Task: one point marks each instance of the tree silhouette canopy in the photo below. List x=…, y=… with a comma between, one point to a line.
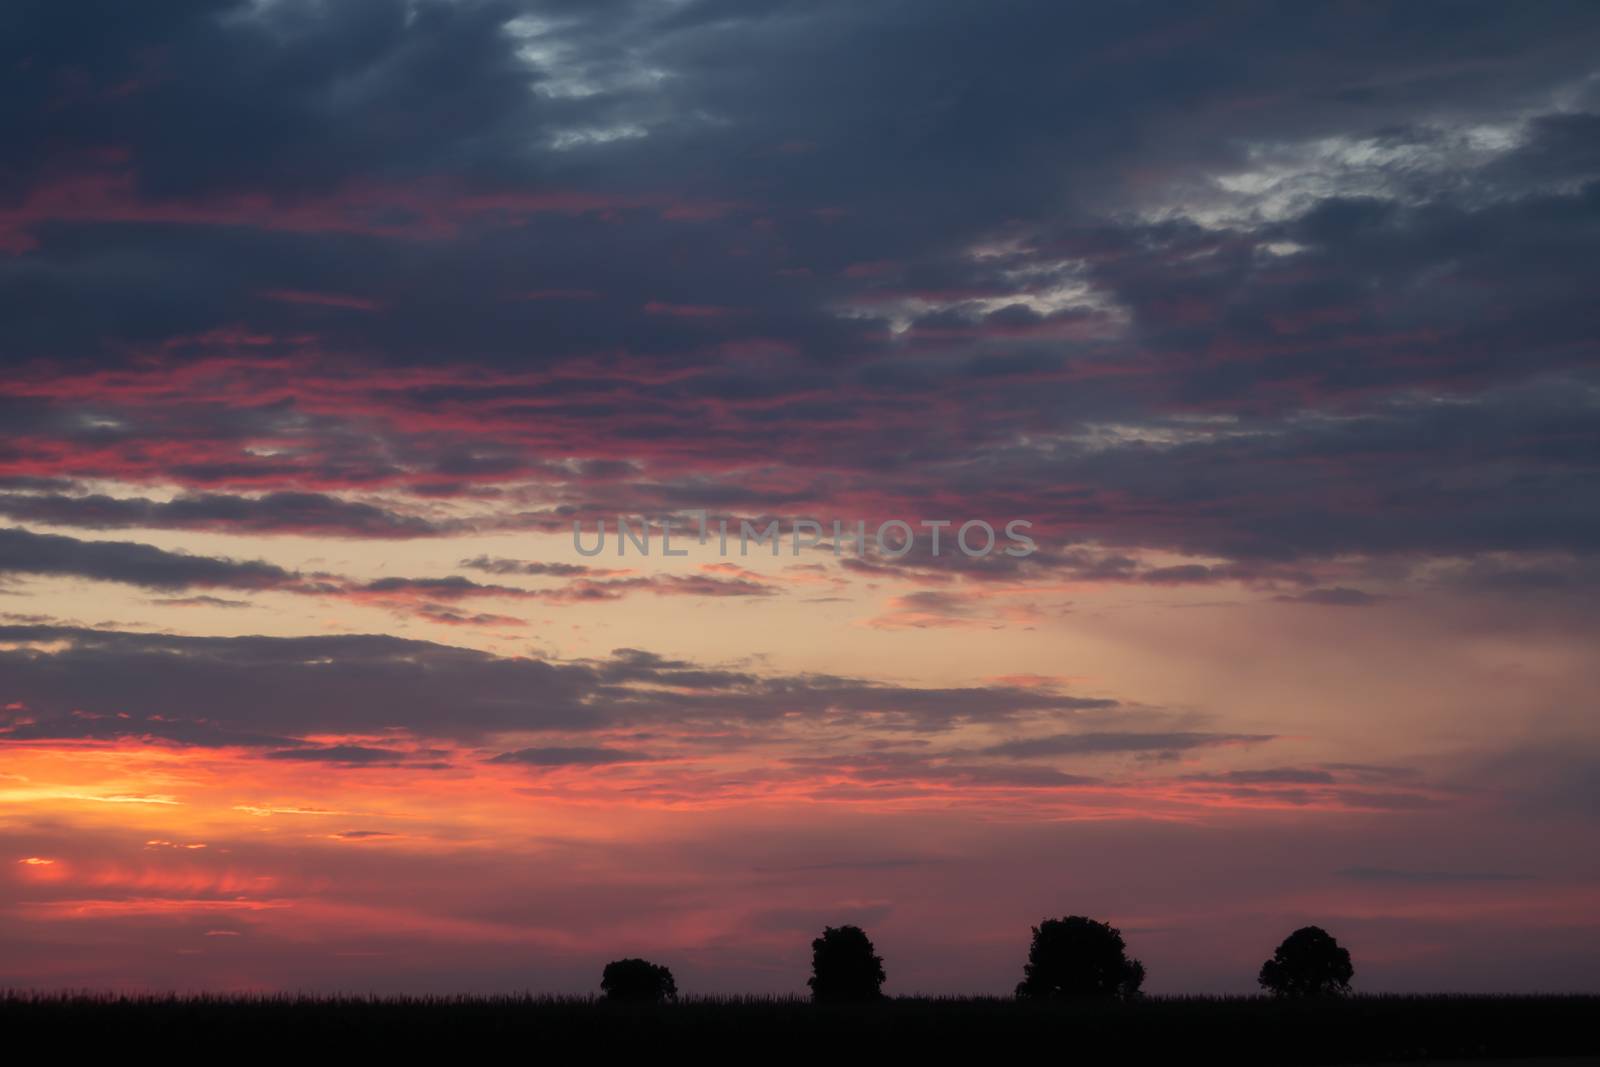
x=1309, y=963
x=844, y=966
x=1078, y=957
x=637, y=981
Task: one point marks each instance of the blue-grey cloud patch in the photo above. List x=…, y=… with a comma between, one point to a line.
x=569, y=756
x=270, y=513
x=94, y=683
x=1270, y=776
x=498, y=565
x=52, y=555
x=351, y=756
x=1103, y=743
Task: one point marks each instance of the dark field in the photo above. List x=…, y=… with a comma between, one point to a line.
x=1239, y=1030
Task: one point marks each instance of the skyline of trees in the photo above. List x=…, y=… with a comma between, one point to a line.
x=1073, y=956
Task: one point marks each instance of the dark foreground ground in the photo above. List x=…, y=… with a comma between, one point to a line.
x=1240, y=1030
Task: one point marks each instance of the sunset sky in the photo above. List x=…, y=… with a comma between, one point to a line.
x=323, y=321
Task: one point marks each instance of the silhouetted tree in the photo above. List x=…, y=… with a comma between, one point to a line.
x=637, y=981
x=1078, y=957
x=1309, y=963
x=844, y=966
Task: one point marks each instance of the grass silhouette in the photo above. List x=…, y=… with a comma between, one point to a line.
x=1242, y=1030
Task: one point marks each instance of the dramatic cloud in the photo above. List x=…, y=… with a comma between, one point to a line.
x=27, y=553
x=559, y=756
x=23, y=552
x=98, y=683
x=282, y=512
x=1280, y=315
x=1109, y=743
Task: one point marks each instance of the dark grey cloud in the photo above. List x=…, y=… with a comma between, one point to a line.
x=1378, y=341
x=201, y=601
x=343, y=755
x=569, y=755
x=868, y=772
x=449, y=588
x=834, y=108
x=153, y=728
x=25, y=552
x=1118, y=742
x=106, y=683
x=704, y=585
x=1270, y=776
x=1546, y=576
x=495, y=565
x=279, y=512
